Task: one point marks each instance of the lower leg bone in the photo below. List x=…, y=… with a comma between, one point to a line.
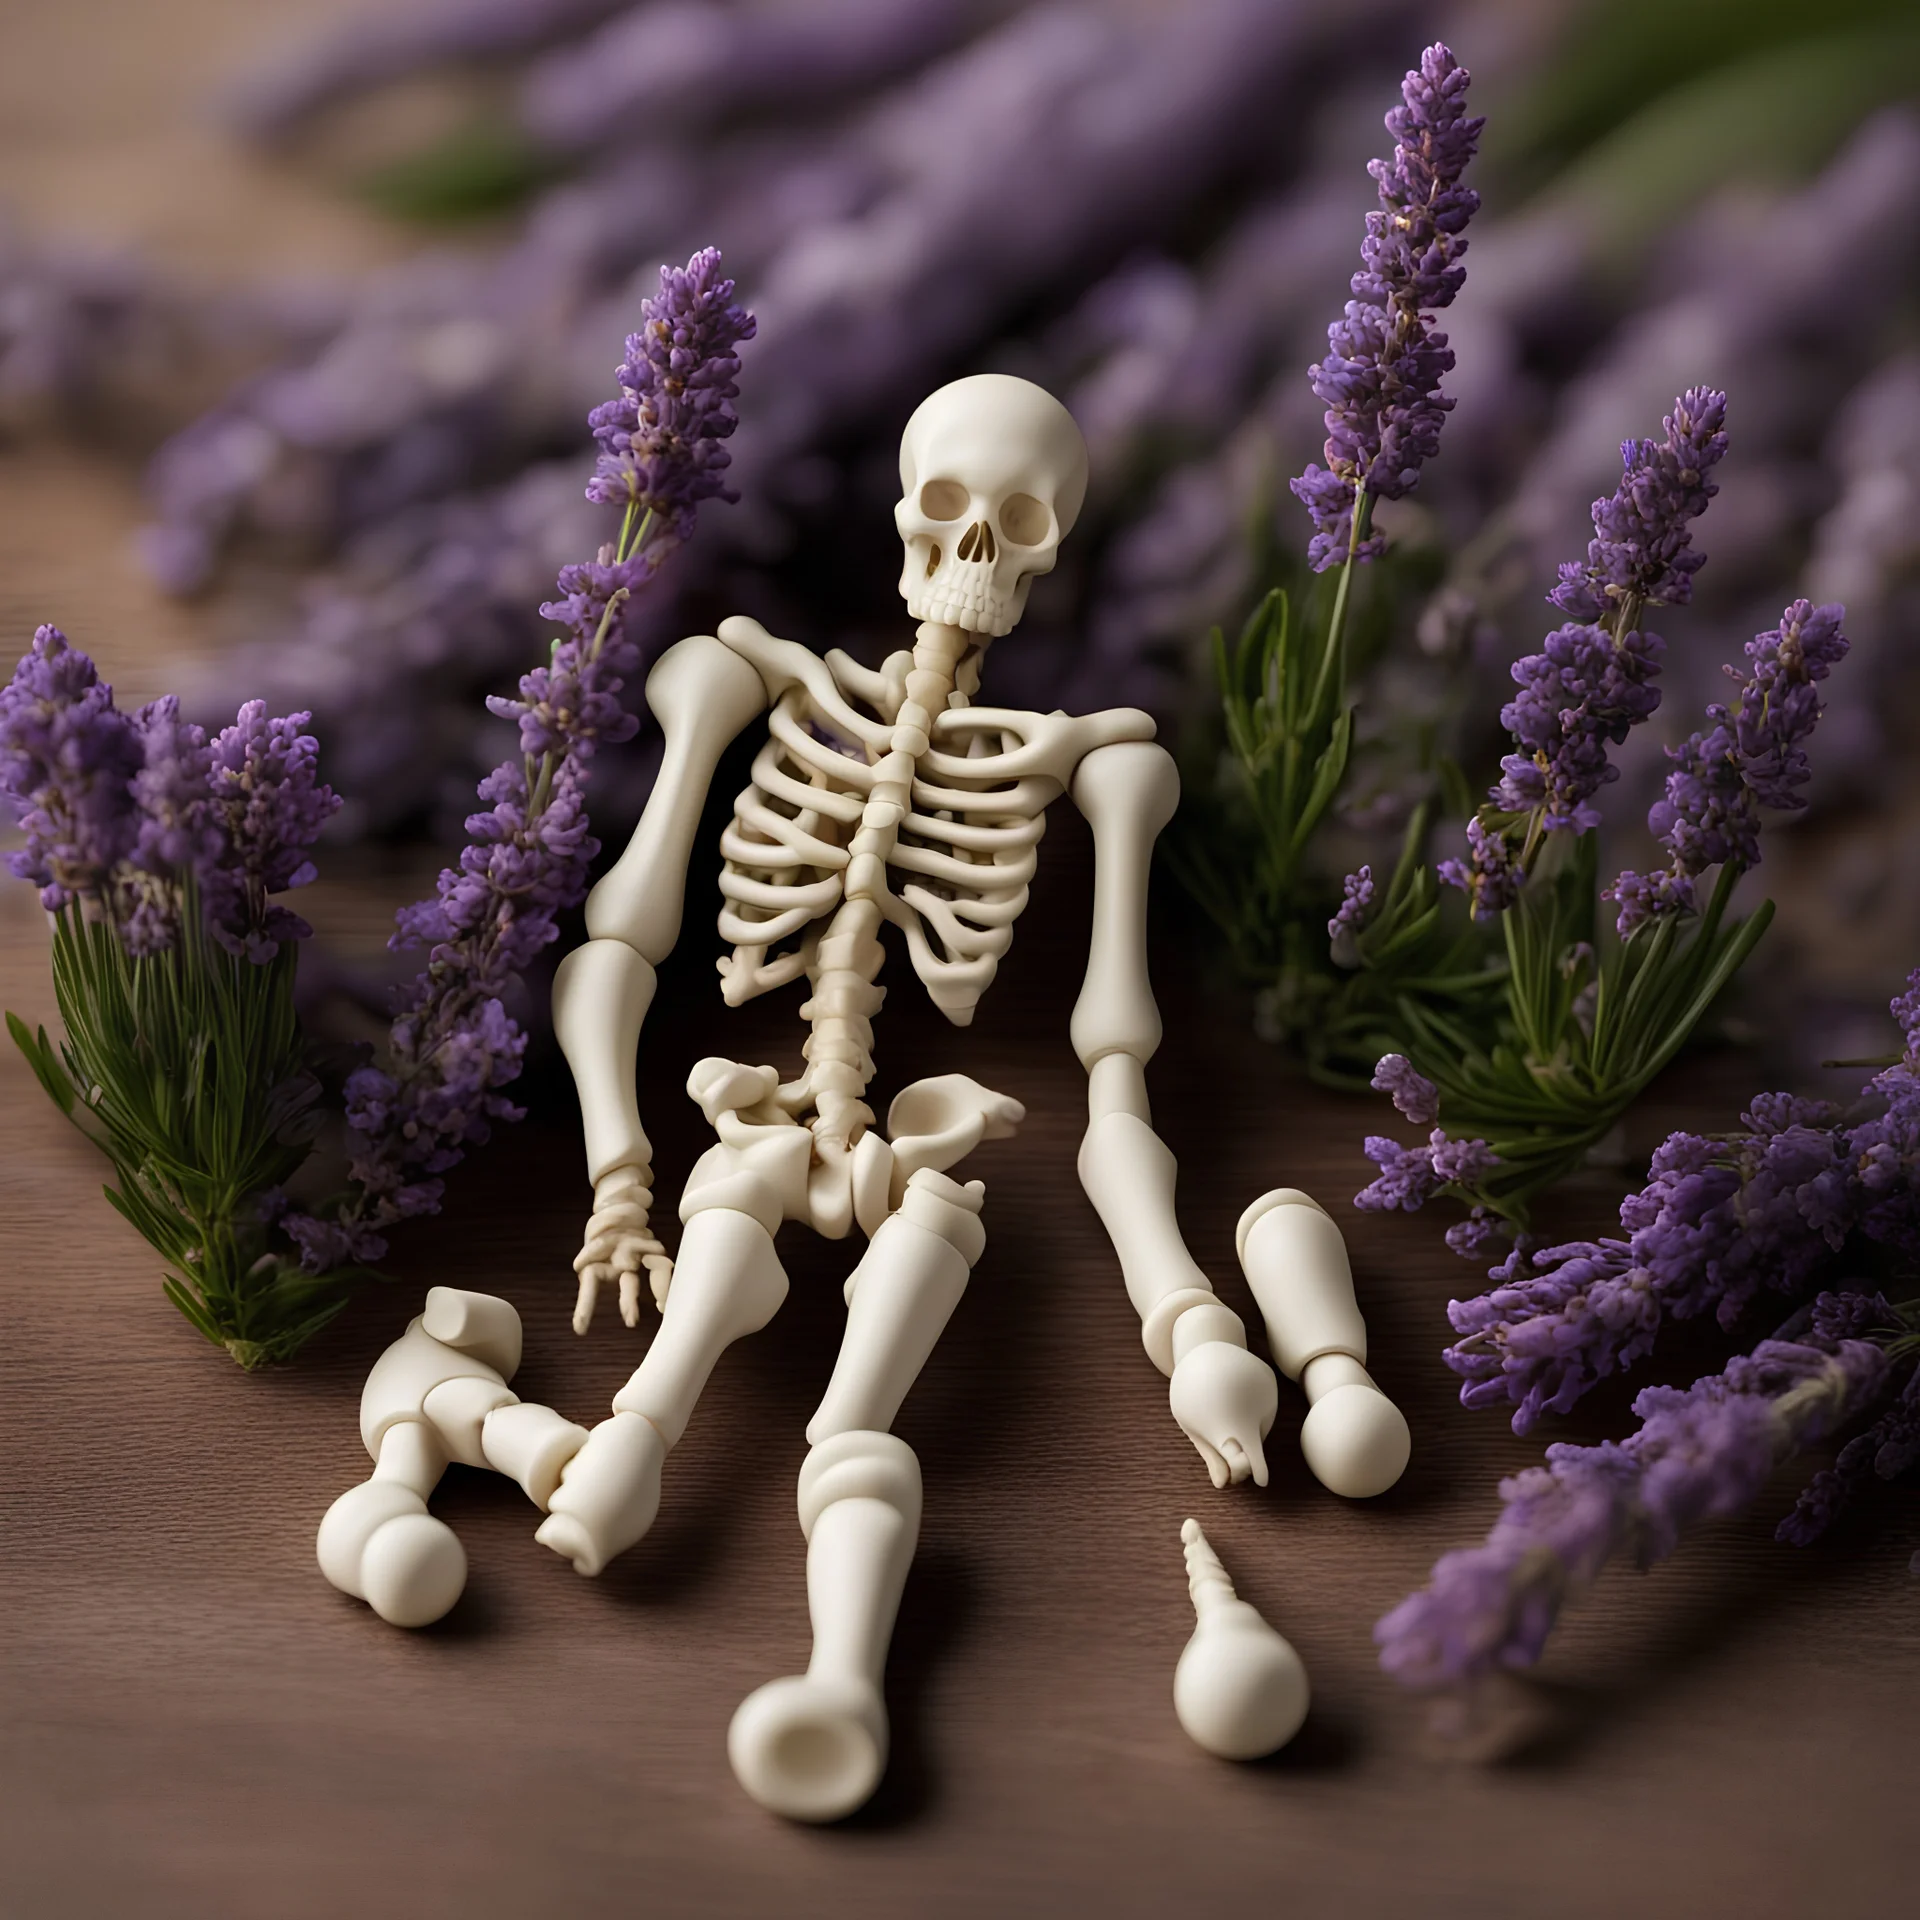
x=813, y=1746
x=899, y=1301
x=728, y=1282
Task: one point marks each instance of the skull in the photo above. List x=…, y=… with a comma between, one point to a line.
x=992, y=474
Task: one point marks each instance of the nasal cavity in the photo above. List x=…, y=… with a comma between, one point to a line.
x=977, y=543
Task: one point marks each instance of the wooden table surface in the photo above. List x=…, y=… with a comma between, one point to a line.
x=193, y=1723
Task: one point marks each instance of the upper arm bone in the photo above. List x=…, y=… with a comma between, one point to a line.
x=702, y=693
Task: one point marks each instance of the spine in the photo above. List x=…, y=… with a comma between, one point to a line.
x=839, y=1049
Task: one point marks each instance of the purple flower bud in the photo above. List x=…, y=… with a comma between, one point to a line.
x=68, y=757
x=1641, y=548
x=1380, y=380
x=1701, y=1452
x=1356, y=903
x=660, y=440
x=1751, y=755
x=1414, y=1095
x=1489, y=876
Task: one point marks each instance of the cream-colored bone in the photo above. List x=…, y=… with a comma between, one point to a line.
x=813, y=1746
x=1128, y=793
x=1355, y=1439
x=701, y=692
x=1223, y=1398
x=993, y=472
x=438, y=1394
x=1240, y=1690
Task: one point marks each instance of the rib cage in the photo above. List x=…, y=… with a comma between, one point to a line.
x=959, y=866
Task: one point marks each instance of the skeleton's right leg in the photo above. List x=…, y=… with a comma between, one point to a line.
x=727, y=1282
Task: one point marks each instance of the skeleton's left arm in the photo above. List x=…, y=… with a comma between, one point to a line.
x=1223, y=1397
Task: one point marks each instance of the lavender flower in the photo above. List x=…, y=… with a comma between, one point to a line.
x=1718, y=1220
x=270, y=804
x=1490, y=876
x=1883, y=1152
x=1592, y=681
x=1582, y=691
x=1415, y=1097
x=1380, y=379
x=1749, y=756
x=1411, y=1176
x=1641, y=552
x=660, y=440
x=1356, y=904
x=177, y=834
x=453, y=1045
x=1701, y=1452
x=67, y=760
x=1477, y=1235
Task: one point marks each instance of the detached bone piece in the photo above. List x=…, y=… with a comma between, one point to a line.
x=437, y=1395
x=1355, y=1439
x=1239, y=1690
x=880, y=797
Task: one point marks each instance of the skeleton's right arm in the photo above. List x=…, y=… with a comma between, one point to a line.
x=701, y=693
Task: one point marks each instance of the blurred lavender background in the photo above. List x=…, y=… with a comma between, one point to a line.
x=1150, y=206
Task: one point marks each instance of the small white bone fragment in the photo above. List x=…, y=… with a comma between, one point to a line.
x=1240, y=1689
x=1354, y=1438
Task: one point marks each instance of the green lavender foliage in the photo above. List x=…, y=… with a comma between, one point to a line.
x=186, y=1068
x=1252, y=847
x=1546, y=1068
x=1541, y=1028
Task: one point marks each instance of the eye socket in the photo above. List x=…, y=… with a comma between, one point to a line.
x=1024, y=520
x=943, y=499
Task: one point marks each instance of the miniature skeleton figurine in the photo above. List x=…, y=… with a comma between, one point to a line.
x=886, y=797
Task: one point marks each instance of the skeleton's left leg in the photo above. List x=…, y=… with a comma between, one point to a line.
x=814, y=1746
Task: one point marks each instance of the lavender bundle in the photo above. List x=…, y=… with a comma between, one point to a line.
x=1519, y=1032
x=160, y=855
x=1701, y=1453
x=1799, y=1204
x=1586, y=1021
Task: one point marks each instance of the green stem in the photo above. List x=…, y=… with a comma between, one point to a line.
x=1337, y=624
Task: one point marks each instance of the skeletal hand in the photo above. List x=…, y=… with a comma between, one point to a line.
x=619, y=1244
x=1225, y=1400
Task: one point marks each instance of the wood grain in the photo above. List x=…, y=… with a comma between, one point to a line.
x=196, y=1724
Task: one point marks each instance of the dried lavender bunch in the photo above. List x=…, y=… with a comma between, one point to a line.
x=1585, y=1022
x=1701, y=1453
x=1721, y=1218
x=454, y=1046
x=158, y=855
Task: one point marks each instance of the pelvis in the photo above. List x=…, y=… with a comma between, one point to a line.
x=768, y=1164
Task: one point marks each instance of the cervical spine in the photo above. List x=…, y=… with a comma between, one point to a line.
x=839, y=1050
